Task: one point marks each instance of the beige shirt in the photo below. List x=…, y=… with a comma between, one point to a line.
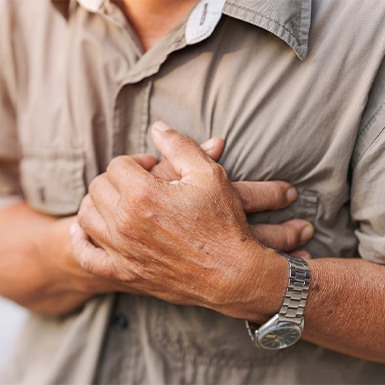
x=296, y=88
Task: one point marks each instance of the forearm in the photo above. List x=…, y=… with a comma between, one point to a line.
x=37, y=269
x=345, y=307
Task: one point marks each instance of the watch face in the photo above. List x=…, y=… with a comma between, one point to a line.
x=280, y=336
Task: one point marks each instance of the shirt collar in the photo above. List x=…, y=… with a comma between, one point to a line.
x=91, y=5
x=287, y=19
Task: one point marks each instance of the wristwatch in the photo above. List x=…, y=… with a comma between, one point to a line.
x=285, y=328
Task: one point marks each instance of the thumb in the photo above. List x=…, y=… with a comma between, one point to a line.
x=184, y=155
x=213, y=147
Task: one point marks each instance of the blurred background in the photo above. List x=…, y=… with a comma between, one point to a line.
x=11, y=320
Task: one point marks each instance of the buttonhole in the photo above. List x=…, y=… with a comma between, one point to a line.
x=204, y=14
x=42, y=194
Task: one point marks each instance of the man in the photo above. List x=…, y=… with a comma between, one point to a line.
x=227, y=69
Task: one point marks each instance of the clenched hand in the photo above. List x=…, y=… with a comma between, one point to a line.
x=185, y=241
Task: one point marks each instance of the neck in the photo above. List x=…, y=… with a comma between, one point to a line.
x=152, y=19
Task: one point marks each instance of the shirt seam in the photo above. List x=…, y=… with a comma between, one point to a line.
x=364, y=130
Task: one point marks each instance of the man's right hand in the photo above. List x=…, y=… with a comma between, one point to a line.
x=256, y=197
x=38, y=270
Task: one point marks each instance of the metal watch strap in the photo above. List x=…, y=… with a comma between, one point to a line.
x=294, y=301
x=297, y=291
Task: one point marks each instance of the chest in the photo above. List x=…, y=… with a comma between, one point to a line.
x=280, y=119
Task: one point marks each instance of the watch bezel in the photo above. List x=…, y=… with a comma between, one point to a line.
x=263, y=332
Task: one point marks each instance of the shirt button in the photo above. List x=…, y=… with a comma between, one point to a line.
x=119, y=322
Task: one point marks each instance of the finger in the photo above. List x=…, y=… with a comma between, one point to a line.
x=261, y=196
x=92, y=259
x=129, y=173
x=184, y=155
x=286, y=236
x=92, y=222
x=104, y=197
x=146, y=161
x=213, y=147
x=164, y=170
x=301, y=254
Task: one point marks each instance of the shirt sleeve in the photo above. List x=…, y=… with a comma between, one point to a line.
x=10, y=190
x=368, y=176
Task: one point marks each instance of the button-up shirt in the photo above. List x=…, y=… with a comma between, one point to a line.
x=296, y=89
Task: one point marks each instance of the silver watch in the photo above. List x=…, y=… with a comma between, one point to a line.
x=285, y=328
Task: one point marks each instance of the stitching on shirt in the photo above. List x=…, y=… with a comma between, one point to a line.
x=145, y=116
x=300, y=26
x=378, y=111
x=267, y=18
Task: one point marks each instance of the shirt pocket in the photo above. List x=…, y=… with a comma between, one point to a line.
x=198, y=336
x=53, y=180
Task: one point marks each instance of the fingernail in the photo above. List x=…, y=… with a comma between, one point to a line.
x=291, y=194
x=160, y=126
x=307, y=233
x=75, y=228
x=208, y=145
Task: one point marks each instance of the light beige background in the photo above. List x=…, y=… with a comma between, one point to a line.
x=11, y=319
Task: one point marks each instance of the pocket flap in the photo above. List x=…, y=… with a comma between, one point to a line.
x=53, y=181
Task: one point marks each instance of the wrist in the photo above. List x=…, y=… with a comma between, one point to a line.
x=62, y=271
x=257, y=284
x=285, y=327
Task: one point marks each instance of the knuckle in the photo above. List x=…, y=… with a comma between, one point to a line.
x=278, y=194
x=142, y=194
x=292, y=237
x=82, y=215
x=259, y=235
x=95, y=185
x=116, y=164
x=217, y=172
x=85, y=263
x=247, y=197
x=279, y=190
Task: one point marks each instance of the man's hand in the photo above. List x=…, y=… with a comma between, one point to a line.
x=41, y=273
x=257, y=197
x=182, y=241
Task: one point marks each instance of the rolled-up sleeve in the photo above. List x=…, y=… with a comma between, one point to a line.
x=368, y=184
x=10, y=190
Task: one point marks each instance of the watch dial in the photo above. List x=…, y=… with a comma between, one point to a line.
x=281, y=337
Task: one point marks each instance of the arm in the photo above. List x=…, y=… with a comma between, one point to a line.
x=346, y=307
x=37, y=267
x=199, y=250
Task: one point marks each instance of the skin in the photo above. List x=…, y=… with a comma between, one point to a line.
x=347, y=297
x=152, y=19
x=187, y=241
x=36, y=248
x=346, y=301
